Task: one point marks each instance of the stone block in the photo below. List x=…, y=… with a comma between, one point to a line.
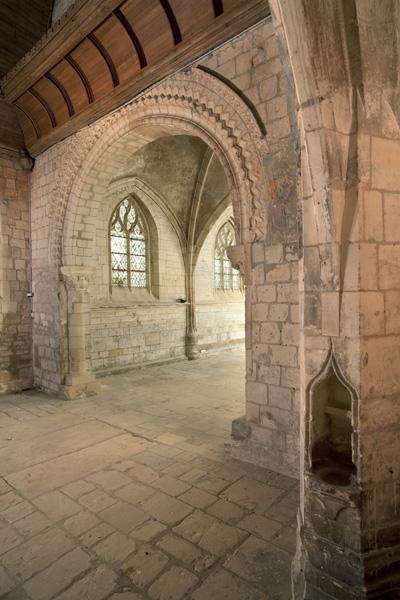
x=166, y=509
x=269, y=374
x=58, y=576
x=243, y=63
x=144, y=566
x=280, y=397
x=81, y=522
x=266, y=293
x=385, y=161
x=259, y=312
x=389, y=266
x=274, y=254
x=277, y=108
x=98, y=585
x=278, y=273
x=270, y=333
x=123, y=516
x=171, y=486
x=268, y=88
x=260, y=526
x=37, y=553
x=209, y=534
x=288, y=292
x=391, y=217
x=56, y=505
x=222, y=584
x=278, y=312
x=372, y=313
x=256, y=392
x=173, y=585
x=392, y=312
x=285, y=356
x=115, y=548
x=373, y=215
x=290, y=334
x=240, y=426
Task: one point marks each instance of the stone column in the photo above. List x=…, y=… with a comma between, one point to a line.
x=346, y=76
x=80, y=380
x=191, y=338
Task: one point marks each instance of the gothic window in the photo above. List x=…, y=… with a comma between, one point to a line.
x=128, y=247
x=226, y=277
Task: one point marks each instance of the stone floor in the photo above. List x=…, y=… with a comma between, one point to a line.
x=130, y=495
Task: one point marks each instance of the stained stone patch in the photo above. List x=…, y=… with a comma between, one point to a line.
x=97, y=500
x=58, y=576
x=97, y=585
x=123, y=516
x=32, y=524
x=226, y=586
x=251, y=494
x=115, y=548
x=135, y=492
x=209, y=534
x=173, y=585
x=144, y=566
x=166, y=509
x=56, y=505
x=109, y=480
x=261, y=564
x=36, y=553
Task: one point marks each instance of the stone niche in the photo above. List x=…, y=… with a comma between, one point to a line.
x=332, y=438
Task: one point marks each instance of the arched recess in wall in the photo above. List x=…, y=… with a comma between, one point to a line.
x=191, y=102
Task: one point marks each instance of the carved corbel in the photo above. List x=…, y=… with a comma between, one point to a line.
x=240, y=257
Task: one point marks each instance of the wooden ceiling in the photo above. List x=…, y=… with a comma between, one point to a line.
x=109, y=51
x=22, y=23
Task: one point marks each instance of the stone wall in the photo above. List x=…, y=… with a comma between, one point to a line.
x=220, y=315
x=253, y=63
x=15, y=273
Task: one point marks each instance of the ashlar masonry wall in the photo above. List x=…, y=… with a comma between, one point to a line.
x=15, y=314
x=254, y=63
x=219, y=313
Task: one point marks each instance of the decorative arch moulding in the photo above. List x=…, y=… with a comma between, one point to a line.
x=75, y=75
x=189, y=102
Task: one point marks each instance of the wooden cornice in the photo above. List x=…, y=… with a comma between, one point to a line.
x=103, y=53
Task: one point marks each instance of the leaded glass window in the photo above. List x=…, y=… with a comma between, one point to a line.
x=128, y=247
x=226, y=277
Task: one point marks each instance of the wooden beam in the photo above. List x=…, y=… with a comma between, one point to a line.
x=106, y=56
x=135, y=40
x=203, y=35
x=82, y=76
x=82, y=20
x=63, y=92
x=45, y=105
x=176, y=32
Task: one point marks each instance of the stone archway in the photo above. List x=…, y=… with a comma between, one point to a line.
x=191, y=102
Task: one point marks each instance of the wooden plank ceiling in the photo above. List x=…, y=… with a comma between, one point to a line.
x=110, y=51
x=22, y=23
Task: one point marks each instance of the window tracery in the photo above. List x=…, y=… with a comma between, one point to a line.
x=128, y=247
